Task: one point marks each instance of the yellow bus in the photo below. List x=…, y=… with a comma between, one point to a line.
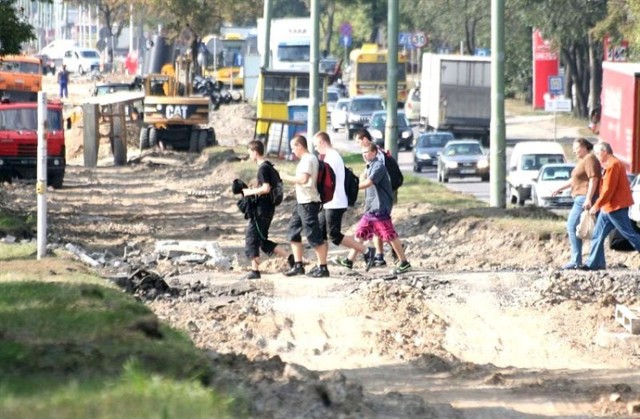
x=368, y=74
x=279, y=94
x=226, y=57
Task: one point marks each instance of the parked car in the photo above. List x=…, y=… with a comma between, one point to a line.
x=360, y=110
x=377, y=130
x=332, y=99
x=339, y=114
x=48, y=65
x=634, y=210
x=428, y=148
x=550, y=178
x=82, y=60
x=527, y=157
x=463, y=158
x=412, y=105
x=106, y=88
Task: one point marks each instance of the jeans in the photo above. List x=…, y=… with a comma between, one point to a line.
x=572, y=224
x=606, y=222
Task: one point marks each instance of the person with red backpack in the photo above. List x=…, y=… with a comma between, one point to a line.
x=304, y=217
x=330, y=216
x=257, y=232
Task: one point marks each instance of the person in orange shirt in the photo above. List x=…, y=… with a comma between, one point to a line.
x=613, y=203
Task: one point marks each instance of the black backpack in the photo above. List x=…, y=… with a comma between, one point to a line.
x=351, y=183
x=277, y=191
x=395, y=174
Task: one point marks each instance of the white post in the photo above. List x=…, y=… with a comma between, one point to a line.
x=130, y=29
x=41, y=182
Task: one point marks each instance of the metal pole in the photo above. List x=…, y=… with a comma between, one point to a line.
x=41, y=182
x=313, y=123
x=391, y=128
x=497, y=193
x=266, y=45
x=130, y=28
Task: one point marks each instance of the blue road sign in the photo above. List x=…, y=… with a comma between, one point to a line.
x=346, y=41
x=556, y=85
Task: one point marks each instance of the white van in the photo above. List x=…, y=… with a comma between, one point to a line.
x=527, y=158
x=82, y=60
x=56, y=49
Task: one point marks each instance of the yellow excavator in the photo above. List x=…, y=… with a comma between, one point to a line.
x=173, y=116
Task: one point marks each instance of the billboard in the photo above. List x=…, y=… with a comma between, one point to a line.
x=545, y=64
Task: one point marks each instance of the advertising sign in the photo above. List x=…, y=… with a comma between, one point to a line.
x=545, y=64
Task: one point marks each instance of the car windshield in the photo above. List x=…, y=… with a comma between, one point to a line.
x=379, y=119
x=332, y=96
x=367, y=105
x=536, y=161
x=434, y=140
x=26, y=119
x=89, y=54
x=466, y=149
x=556, y=173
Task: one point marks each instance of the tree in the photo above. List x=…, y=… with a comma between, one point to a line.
x=14, y=27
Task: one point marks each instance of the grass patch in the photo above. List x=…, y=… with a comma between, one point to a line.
x=15, y=224
x=17, y=251
x=76, y=346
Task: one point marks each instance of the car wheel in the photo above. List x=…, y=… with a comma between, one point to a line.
x=80, y=70
x=485, y=178
x=144, y=138
x=445, y=178
x=417, y=168
x=56, y=181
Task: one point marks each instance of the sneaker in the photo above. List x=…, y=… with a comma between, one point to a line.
x=252, y=275
x=402, y=268
x=369, y=257
x=296, y=270
x=319, y=272
x=291, y=261
x=343, y=261
x=379, y=261
x=570, y=266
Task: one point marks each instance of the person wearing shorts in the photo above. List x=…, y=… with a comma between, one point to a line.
x=332, y=212
x=376, y=220
x=304, y=217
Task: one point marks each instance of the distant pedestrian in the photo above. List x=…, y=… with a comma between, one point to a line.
x=613, y=205
x=63, y=81
x=305, y=214
x=378, y=202
x=332, y=212
x=584, y=183
x=257, y=232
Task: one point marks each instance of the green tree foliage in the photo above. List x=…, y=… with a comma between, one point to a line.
x=14, y=27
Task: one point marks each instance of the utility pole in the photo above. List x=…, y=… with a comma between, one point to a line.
x=313, y=115
x=391, y=127
x=267, y=35
x=497, y=193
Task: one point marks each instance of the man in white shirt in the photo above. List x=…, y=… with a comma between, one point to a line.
x=305, y=213
x=330, y=217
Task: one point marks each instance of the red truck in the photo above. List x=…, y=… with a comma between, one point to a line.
x=620, y=114
x=19, y=141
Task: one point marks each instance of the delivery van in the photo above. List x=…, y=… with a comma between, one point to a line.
x=527, y=158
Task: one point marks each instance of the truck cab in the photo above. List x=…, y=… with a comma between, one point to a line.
x=19, y=142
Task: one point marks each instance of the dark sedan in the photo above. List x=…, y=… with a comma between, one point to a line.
x=428, y=147
x=463, y=158
x=377, y=129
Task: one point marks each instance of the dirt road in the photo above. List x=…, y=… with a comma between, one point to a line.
x=484, y=327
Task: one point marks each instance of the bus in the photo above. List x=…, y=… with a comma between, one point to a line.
x=225, y=56
x=20, y=78
x=368, y=73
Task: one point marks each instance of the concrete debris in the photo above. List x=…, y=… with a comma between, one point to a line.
x=82, y=255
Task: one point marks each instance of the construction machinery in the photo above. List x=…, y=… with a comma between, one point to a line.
x=173, y=116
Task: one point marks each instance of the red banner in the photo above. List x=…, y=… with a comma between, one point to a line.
x=545, y=64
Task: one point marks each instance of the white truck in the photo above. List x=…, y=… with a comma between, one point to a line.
x=290, y=43
x=456, y=95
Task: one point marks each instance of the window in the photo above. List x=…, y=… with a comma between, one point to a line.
x=276, y=89
x=302, y=88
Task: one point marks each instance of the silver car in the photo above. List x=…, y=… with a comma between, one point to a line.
x=463, y=158
x=360, y=110
x=339, y=114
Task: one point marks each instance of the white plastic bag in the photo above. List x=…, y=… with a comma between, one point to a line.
x=584, y=230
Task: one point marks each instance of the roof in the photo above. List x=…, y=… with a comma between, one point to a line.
x=21, y=58
x=538, y=147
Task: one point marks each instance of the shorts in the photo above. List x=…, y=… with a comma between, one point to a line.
x=376, y=225
x=331, y=224
x=305, y=218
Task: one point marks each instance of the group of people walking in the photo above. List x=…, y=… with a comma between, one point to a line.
x=599, y=184
x=320, y=222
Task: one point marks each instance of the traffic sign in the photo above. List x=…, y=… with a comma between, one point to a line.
x=419, y=39
x=346, y=41
x=557, y=105
x=556, y=85
x=345, y=29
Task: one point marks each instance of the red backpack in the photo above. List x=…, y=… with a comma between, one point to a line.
x=326, y=182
